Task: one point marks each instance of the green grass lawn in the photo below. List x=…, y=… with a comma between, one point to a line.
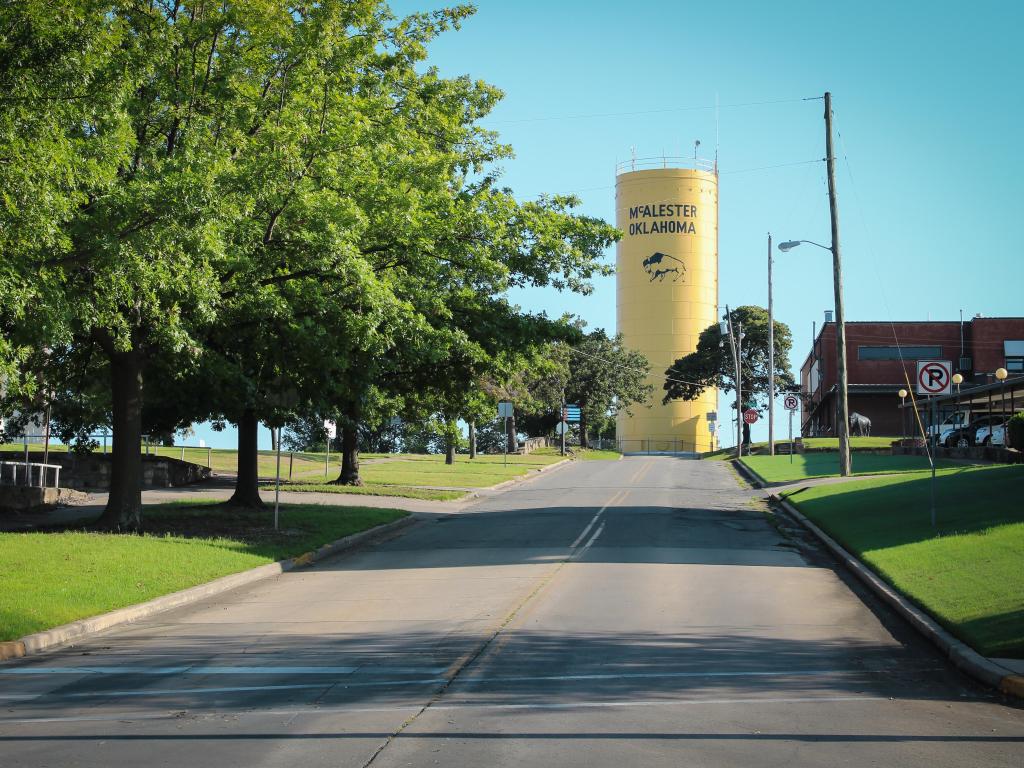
x=593, y=454
x=968, y=572
x=48, y=579
x=376, y=489
x=830, y=443
x=779, y=469
x=430, y=470
x=586, y=454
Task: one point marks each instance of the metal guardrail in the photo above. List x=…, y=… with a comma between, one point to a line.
x=28, y=467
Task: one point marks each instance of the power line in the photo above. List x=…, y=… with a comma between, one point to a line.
x=597, y=115
x=636, y=368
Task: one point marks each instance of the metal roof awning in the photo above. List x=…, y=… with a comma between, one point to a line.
x=1011, y=390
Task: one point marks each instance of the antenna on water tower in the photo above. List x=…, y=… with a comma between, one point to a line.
x=696, y=146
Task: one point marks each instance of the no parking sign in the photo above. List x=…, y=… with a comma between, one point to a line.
x=934, y=377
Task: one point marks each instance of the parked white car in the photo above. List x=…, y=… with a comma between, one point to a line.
x=991, y=435
x=951, y=422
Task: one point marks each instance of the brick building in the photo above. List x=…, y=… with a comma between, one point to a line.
x=977, y=347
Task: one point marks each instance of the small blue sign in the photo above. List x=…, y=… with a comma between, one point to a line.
x=571, y=413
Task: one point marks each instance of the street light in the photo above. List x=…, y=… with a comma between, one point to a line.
x=958, y=379
x=843, y=419
x=903, y=411
x=1001, y=376
x=735, y=345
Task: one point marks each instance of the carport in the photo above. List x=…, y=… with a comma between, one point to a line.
x=997, y=398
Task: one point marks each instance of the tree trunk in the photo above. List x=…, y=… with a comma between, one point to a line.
x=510, y=437
x=584, y=439
x=472, y=440
x=350, y=448
x=449, y=443
x=247, y=484
x=274, y=436
x=124, y=503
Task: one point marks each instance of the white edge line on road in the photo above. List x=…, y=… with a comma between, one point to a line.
x=216, y=670
x=660, y=675
x=319, y=711
x=344, y=684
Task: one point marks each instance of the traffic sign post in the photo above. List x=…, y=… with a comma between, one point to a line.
x=331, y=428
x=505, y=410
x=791, y=403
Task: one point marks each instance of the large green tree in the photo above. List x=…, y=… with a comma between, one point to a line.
x=712, y=364
x=605, y=377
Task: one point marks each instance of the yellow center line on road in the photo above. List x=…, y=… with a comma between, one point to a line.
x=494, y=641
x=641, y=472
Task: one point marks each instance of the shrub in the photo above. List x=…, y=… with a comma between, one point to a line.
x=1015, y=432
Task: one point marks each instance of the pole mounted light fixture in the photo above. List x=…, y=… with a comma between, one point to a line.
x=791, y=244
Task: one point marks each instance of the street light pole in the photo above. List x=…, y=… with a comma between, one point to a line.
x=725, y=327
x=771, y=358
x=837, y=274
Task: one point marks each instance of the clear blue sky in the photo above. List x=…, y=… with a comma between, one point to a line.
x=928, y=107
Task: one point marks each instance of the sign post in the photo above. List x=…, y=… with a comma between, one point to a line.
x=791, y=403
x=332, y=432
x=505, y=409
x=277, y=485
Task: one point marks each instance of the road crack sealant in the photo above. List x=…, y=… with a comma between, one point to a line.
x=467, y=659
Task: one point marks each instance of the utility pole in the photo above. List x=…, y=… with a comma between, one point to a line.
x=771, y=359
x=735, y=345
x=843, y=410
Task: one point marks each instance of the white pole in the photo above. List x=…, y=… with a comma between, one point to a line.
x=277, y=486
x=790, y=437
x=771, y=359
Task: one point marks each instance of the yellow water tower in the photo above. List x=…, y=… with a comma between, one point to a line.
x=667, y=291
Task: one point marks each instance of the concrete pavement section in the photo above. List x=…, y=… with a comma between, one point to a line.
x=641, y=612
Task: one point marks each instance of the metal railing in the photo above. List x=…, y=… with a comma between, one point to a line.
x=654, y=446
x=28, y=467
x=664, y=161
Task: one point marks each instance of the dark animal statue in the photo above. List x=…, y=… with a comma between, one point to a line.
x=658, y=259
x=860, y=425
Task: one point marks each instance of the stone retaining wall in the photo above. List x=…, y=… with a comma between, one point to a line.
x=92, y=471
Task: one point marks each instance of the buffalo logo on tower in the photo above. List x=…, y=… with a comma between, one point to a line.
x=659, y=265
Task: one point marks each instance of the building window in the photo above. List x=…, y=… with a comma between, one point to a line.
x=893, y=353
x=1014, y=353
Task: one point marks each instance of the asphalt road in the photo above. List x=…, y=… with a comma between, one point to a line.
x=641, y=612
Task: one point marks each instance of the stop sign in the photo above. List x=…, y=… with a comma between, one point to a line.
x=750, y=416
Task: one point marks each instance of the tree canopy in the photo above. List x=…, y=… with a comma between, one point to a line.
x=258, y=211
x=712, y=364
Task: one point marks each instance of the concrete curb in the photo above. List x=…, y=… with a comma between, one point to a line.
x=747, y=473
x=76, y=630
x=959, y=653
x=524, y=478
